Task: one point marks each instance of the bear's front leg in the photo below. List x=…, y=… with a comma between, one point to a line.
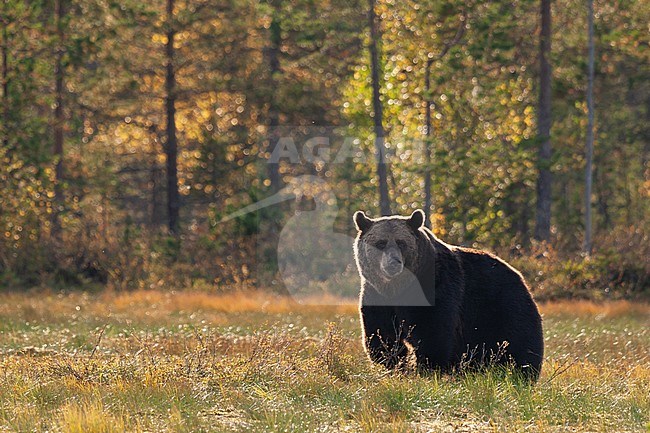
x=382, y=338
x=433, y=338
x=429, y=359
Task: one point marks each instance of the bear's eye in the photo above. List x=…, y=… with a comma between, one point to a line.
x=380, y=245
x=401, y=244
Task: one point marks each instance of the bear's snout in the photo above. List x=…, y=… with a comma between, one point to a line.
x=392, y=263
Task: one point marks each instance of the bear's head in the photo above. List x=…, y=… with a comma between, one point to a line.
x=387, y=249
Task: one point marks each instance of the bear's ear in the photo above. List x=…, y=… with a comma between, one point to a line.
x=416, y=220
x=362, y=222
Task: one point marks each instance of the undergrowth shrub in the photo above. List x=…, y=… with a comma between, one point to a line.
x=618, y=268
x=128, y=256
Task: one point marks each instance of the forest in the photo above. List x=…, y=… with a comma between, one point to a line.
x=178, y=180
x=132, y=133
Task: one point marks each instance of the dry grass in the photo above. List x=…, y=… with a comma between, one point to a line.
x=145, y=304
x=149, y=305
x=590, y=308
x=249, y=361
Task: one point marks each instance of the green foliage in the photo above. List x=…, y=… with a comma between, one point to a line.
x=243, y=67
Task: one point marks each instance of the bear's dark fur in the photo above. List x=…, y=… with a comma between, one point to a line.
x=448, y=306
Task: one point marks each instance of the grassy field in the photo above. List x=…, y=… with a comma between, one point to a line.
x=191, y=362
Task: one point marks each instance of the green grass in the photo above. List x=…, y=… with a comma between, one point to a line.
x=200, y=363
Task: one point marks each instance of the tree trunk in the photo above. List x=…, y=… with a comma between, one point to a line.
x=544, y=180
x=58, y=118
x=602, y=194
x=171, y=145
x=380, y=148
x=427, y=145
x=5, y=79
x=273, y=53
x=587, y=247
x=157, y=205
x=524, y=219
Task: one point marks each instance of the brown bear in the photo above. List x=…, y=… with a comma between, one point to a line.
x=442, y=305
